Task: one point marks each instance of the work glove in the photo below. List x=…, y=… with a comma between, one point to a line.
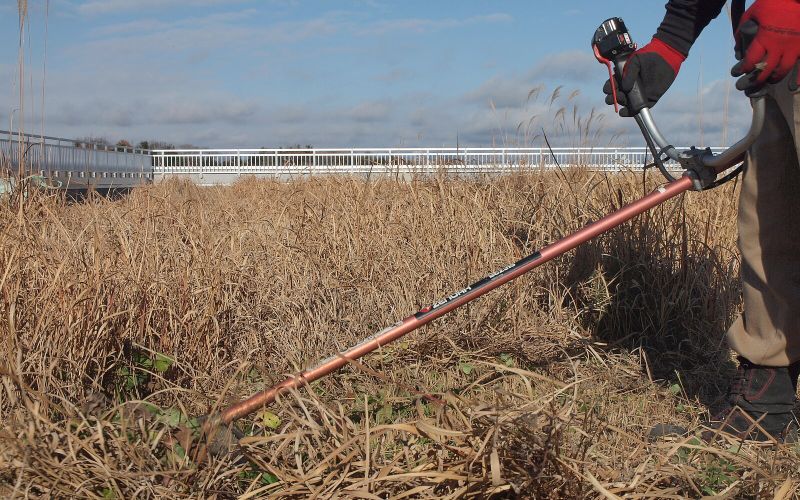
x=655, y=67
x=768, y=44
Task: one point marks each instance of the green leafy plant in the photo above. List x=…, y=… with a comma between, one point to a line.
x=684, y=454
x=507, y=359
x=716, y=476
x=253, y=474
x=136, y=375
x=269, y=420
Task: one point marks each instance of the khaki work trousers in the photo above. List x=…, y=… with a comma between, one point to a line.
x=768, y=332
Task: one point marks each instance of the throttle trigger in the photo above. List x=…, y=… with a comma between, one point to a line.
x=611, y=78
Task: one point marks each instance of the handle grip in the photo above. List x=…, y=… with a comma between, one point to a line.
x=745, y=36
x=635, y=99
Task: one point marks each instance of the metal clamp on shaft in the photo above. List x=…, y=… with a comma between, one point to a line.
x=693, y=163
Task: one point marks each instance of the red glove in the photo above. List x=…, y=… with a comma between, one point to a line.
x=777, y=42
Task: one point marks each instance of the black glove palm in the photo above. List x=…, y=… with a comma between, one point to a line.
x=654, y=67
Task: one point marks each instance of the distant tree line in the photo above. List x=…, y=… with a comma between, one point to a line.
x=122, y=145
x=92, y=142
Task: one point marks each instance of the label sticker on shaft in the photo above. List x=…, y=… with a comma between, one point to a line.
x=480, y=284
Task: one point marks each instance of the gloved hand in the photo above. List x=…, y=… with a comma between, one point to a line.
x=774, y=50
x=655, y=66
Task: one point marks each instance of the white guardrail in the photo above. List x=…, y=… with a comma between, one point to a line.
x=283, y=162
x=75, y=164
x=71, y=163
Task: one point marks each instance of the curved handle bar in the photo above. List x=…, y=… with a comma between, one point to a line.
x=733, y=154
x=645, y=119
x=718, y=162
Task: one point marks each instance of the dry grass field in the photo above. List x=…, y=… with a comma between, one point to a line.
x=121, y=321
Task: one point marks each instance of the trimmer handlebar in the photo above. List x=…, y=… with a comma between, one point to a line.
x=719, y=162
x=613, y=46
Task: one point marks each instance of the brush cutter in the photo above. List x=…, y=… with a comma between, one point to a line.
x=612, y=45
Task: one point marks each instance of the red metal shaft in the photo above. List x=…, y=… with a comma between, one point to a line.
x=458, y=299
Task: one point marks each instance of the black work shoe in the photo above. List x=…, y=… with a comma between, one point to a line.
x=758, y=406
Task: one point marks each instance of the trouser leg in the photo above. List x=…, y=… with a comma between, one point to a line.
x=768, y=332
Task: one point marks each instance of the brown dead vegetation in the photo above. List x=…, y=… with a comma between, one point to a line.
x=122, y=319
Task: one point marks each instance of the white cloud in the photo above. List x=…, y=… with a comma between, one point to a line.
x=371, y=112
x=574, y=66
x=156, y=39
x=686, y=122
x=571, y=68
x=213, y=109
x=99, y=7
x=395, y=75
x=155, y=108
x=425, y=25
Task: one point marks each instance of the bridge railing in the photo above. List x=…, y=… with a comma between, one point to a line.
x=75, y=163
x=237, y=162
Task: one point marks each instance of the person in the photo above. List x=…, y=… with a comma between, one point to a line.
x=761, y=398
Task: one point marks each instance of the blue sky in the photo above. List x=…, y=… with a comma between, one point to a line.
x=360, y=73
